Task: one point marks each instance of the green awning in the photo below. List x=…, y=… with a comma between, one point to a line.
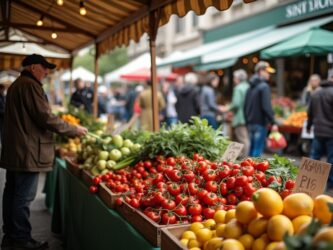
x=263, y=41
x=315, y=41
x=218, y=65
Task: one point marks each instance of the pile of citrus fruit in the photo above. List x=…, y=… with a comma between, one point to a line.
x=259, y=224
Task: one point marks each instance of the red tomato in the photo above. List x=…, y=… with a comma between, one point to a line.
x=173, y=189
x=208, y=212
x=196, y=218
x=290, y=184
x=210, y=199
x=202, y=166
x=248, y=170
x=235, y=172
x=195, y=209
x=168, y=204
x=202, y=193
x=209, y=175
x=168, y=218
x=96, y=180
x=175, y=175
x=239, y=191
x=223, y=188
x=188, y=176
x=211, y=186
x=134, y=203
x=232, y=199
x=171, y=161
x=262, y=166
x=249, y=189
x=180, y=210
x=285, y=193
x=93, y=189
x=181, y=199
x=240, y=180
x=154, y=216
x=119, y=201
x=231, y=183
x=193, y=188
x=225, y=172
x=147, y=164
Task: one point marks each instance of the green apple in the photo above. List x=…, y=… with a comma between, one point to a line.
x=117, y=141
x=101, y=164
x=103, y=155
x=107, y=140
x=94, y=171
x=128, y=143
x=105, y=171
x=125, y=151
x=115, y=155
x=136, y=147
x=110, y=164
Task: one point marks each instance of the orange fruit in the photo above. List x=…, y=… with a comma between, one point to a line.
x=203, y=234
x=220, y=230
x=297, y=204
x=233, y=230
x=260, y=243
x=188, y=235
x=247, y=241
x=245, y=212
x=299, y=221
x=196, y=226
x=280, y=246
x=272, y=245
x=278, y=226
x=321, y=210
x=231, y=244
x=219, y=216
x=213, y=244
x=184, y=242
x=231, y=214
x=267, y=202
x=257, y=227
x=194, y=243
x=210, y=223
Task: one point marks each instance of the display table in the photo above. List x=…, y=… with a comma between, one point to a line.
x=82, y=218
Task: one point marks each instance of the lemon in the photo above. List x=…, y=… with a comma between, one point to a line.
x=220, y=230
x=188, y=235
x=299, y=221
x=210, y=223
x=267, y=202
x=219, y=216
x=231, y=244
x=278, y=226
x=233, y=230
x=247, y=241
x=246, y=212
x=321, y=210
x=297, y=204
x=231, y=214
x=257, y=227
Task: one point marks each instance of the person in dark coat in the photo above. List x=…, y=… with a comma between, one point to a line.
x=2, y=108
x=82, y=97
x=258, y=108
x=320, y=115
x=27, y=149
x=188, y=98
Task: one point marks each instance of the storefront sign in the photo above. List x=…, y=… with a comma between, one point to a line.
x=312, y=177
x=233, y=151
x=306, y=7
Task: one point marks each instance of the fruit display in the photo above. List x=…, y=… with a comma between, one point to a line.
x=73, y=146
x=296, y=119
x=178, y=190
x=283, y=106
x=264, y=223
x=70, y=119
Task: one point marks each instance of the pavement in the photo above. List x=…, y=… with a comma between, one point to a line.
x=40, y=217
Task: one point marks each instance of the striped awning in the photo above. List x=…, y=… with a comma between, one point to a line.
x=108, y=23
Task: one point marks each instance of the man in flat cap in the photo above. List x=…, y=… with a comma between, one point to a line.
x=27, y=149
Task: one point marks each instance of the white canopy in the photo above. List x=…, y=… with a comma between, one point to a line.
x=82, y=73
x=140, y=62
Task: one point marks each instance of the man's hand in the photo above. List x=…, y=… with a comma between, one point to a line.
x=81, y=131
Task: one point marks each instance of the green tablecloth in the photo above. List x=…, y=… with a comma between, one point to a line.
x=83, y=219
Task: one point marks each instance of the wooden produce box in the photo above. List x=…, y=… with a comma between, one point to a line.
x=171, y=235
x=73, y=166
x=148, y=228
x=87, y=177
x=107, y=196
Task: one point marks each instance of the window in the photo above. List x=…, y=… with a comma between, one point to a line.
x=180, y=25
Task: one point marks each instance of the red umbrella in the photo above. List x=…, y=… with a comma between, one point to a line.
x=144, y=75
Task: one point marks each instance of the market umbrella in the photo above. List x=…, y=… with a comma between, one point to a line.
x=315, y=42
x=143, y=74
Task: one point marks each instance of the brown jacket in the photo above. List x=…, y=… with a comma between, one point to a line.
x=27, y=143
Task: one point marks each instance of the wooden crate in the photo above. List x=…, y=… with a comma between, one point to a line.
x=87, y=177
x=107, y=196
x=170, y=237
x=148, y=228
x=73, y=166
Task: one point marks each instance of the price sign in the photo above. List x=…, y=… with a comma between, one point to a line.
x=233, y=151
x=312, y=177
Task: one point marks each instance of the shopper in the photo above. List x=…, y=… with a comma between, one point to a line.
x=145, y=101
x=170, y=98
x=258, y=108
x=320, y=115
x=237, y=108
x=188, y=98
x=82, y=97
x=208, y=106
x=312, y=86
x=27, y=149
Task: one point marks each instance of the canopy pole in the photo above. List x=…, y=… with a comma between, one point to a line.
x=71, y=77
x=312, y=65
x=153, y=28
x=95, y=102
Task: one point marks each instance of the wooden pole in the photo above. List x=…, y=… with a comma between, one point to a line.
x=153, y=27
x=95, y=102
x=312, y=61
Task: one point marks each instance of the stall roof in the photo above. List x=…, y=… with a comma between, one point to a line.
x=82, y=73
x=108, y=23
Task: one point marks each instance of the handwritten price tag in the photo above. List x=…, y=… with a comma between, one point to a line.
x=312, y=177
x=233, y=151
